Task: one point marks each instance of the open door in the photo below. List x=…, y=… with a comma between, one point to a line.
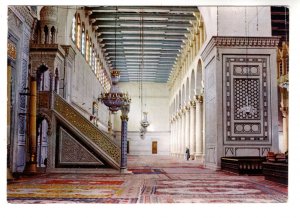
x=154, y=147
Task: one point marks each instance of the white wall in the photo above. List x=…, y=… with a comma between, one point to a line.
x=230, y=21
x=156, y=101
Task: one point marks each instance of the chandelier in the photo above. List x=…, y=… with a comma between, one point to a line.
x=114, y=99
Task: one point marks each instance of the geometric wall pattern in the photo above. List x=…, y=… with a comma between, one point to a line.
x=246, y=99
x=73, y=153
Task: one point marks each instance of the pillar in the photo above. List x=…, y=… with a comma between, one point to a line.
x=199, y=128
x=124, y=118
x=192, y=129
x=31, y=166
x=187, y=128
x=179, y=133
x=177, y=136
x=182, y=148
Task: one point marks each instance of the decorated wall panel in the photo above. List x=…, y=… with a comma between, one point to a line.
x=246, y=99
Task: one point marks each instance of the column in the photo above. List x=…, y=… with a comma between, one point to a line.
x=182, y=146
x=192, y=129
x=199, y=127
x=124, y=118
x=31, y=166
x=187, y=128
x=177, y=134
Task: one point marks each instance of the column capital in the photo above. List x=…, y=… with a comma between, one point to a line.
x=124, y=117
x=199, y=98
x=192, y=104
x=187, y=107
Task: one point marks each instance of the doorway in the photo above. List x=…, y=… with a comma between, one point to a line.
x=154, y=147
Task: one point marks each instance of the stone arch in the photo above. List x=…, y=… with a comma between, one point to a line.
x=192, y=84
x=199, y=78
x=43, y=137
x=43, y=116
x=187, y=92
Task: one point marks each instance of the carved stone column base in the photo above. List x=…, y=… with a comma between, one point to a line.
x=125, y=171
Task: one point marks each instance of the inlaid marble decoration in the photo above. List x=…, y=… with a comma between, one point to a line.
x=246, y=91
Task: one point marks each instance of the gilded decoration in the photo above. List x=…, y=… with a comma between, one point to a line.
x=11, y=51
x=87, y=128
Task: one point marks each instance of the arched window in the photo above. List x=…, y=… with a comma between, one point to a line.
x=91, y=53
x=53, y=35
x=46, y=33
x=78, y=42
x=87, y=53
x=73, y=31
x=83, y=40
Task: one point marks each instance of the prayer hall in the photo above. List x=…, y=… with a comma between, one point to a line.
x=147, y=105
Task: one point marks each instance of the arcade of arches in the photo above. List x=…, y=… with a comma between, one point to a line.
x=218, y=89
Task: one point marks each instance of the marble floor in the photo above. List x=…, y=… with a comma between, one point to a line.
x=153, y=179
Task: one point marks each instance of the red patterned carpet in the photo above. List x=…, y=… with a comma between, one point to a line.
x=154, y=179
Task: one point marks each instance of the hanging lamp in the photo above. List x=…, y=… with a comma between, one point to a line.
x=114, y=99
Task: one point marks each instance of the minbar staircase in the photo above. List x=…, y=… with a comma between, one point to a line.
x=77, y=137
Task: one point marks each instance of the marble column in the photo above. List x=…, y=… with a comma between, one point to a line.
x=178, y=134
x=124, y=118
x=199, y=128
x=182, y=147
x=31, y=166
x=192, y=129
x=187, y=128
